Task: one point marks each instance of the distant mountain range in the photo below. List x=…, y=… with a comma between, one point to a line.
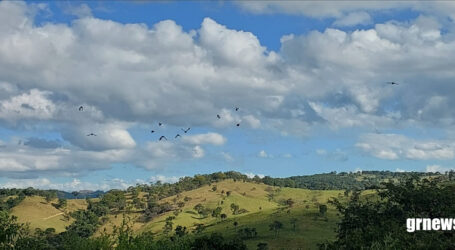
x=82, y=194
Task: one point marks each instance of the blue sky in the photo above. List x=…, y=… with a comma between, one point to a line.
x=309, y=79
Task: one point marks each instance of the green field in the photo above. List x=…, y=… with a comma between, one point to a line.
x=311, y=229
x=261, y=210
x=40, y=214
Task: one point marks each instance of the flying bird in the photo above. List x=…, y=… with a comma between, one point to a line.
x=218, y=116
x=91, y=134
x=152, y=131
x=185, y=131
x=236, y=109
x=178, y=135
x=159, y=124
x=238, y=124
x=163, y=137
x=392, y=83
x=81, y=108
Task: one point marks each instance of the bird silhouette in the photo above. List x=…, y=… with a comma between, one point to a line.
x=185, y=131
x=238, y=124
x=163, y=137
x=91, y=134
x=392, y=83
x=218, y=116
x=236, y=109
x=178, y=135
x=152, y=131
x=81, y=108
x=159, y=124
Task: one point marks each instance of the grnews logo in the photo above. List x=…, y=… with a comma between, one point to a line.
x=427, y=224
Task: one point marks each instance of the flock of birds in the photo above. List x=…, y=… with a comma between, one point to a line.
x=162, y=137
x=81, y=108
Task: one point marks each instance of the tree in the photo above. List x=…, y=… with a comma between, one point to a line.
x=223, y=216
x=247, y=233
x=235, y=208
x=10, y=231
x=61, y=203
x=235, y=224
x=293, y=223
x=276, y=226
x=214, y=188
x=199, y=207
x=262, y=246
x=383, y=221
x=198, y=228
x=49, y=196
x=289, y=202
x=180, y=231
x=216, y=212
x=168, y=225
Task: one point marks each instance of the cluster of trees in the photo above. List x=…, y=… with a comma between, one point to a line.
x=349, y=181
x=14, y=235
x=18, y=195
x=381, y=223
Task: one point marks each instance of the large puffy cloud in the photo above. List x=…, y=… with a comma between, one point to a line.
x=395, y=147
x=106, y=137
x=36, y=156
x=128, y=75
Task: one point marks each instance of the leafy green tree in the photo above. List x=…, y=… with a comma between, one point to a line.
x=49, y=196
x=247, y=233
x=216, y=212
x=62, y=203
x=199, y=207
x=10, y=230
x=276, y=226
x=262, y=246
x=235, y=208
x=181, y=204
x=198, y=228
x=180, y=231
x=383, y=221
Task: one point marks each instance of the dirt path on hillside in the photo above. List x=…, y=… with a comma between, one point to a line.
x=52, y=216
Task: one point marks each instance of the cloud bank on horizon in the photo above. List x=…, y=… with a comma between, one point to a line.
x=129, y=76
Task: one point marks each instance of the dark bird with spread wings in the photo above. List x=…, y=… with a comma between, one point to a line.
x=185, y=131
x=91, y=134
x=159, y=124
x=178, y=135
x=152, y=131
x=392, y=83
x=236, y=109
x=81, y=108
x=218, y=116
x=163, y=137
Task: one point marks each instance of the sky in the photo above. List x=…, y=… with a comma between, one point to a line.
x=309, y=79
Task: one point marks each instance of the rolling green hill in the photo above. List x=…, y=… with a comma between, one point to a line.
x=41, y=214
x=310, y=228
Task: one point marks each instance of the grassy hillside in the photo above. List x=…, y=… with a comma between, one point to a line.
x=263, y=204
x=40, y=214
x=262, y=210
